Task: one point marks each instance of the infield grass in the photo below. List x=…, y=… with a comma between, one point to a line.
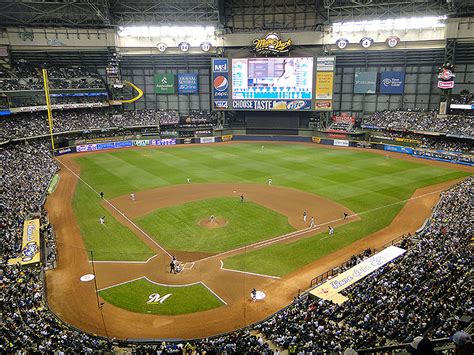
x=177, y=228
x=357, y=179
x=134, y=296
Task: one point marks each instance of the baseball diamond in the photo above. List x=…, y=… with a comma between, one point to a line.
x=237, y=177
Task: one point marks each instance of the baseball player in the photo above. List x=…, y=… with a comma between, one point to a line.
x=270, y=182
x=132, y=197
x=212, y=218
x=188, y=180
x=305, y=215
x=331, y=230
x=101, y=195
x=102, y=220
x=345, y=215
x=254, y=295
x=311, y=223
x=241, y=198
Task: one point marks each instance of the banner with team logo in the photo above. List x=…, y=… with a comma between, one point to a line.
x=220, y=83
x=30, y=250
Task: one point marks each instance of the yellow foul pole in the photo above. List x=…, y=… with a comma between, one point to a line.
x=48, y=106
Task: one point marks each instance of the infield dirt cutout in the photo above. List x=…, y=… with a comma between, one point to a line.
x=75, y=302
x=217, y=222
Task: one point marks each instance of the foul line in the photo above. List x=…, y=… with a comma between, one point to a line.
x=115, y=208
x=215, y=294
x=123, y=262
x=247, y=272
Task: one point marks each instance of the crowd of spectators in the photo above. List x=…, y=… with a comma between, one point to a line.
x=422, y=121
x=426, y=141
x=23, y=76
x=34, y=124
x=426, y=289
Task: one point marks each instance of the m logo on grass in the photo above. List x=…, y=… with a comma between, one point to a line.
x=155, y=298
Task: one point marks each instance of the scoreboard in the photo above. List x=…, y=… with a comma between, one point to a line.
x=284, y=83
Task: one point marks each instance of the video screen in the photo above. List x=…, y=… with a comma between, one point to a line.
x=272, y=78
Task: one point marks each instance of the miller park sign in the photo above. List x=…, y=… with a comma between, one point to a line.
x=271, y=44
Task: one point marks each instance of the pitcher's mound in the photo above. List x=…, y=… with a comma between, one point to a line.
x=218, y=222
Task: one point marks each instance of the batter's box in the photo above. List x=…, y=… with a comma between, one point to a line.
x=188, y=266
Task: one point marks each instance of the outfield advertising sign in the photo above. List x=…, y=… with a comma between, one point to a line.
x=164, y=83
x=341, y=143
x=188, y=83
x=398, y=149
x=392, y=82
x=324, y=85
x=220, y=86
x=207, y=140
x=220, y=83
x=365, y=82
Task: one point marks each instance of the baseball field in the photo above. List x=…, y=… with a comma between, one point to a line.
x=213, y=208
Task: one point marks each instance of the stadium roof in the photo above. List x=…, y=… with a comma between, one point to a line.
x=235, y=15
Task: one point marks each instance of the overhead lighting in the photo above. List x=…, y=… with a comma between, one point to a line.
x=198, y=32
x=399, y=24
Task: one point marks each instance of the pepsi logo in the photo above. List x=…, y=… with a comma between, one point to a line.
x=221, y=83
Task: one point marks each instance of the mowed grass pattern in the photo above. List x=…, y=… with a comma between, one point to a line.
x=177, y=227
x=134, y=296
x=360, y=180
x=109, y=241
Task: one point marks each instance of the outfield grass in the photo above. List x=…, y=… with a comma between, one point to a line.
x=134, y=296
x=359, y=180
x=109, y=241
x=177, y=228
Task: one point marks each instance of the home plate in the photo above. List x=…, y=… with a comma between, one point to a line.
x=87, y=277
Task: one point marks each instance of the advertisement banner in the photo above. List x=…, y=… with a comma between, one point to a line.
x=324, y=85
x=141, y=143
x=220, y=65
x=220, y=86
x=365, y=82
x=341, y=143
x=398, y=149
x=271, y=105
x=30, y=250
x=407, y=140
x=164, y=141
x=226, y=138
x=164, y=83
x=207, y=140
x=331, y=288
x=325, y=63
x=221, y=105
x=188, y=83
x=323, y=105
x=392, y=82
x=445, y=84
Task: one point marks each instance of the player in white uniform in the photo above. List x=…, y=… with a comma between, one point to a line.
x=132, y=197
x=270, y=182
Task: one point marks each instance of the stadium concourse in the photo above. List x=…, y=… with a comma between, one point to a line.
x=364, y=108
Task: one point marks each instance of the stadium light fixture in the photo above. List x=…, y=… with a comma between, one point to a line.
x=410, y=23
x=185, y=32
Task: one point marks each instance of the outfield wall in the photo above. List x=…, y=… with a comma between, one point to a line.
x=449, y=157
